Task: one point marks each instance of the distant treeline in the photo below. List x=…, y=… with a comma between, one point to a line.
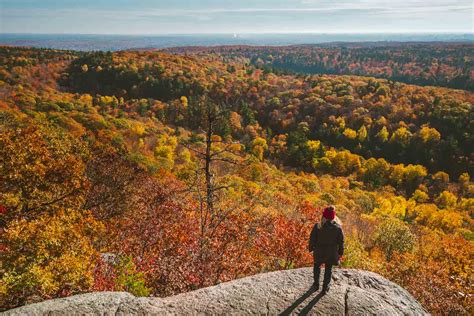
x=438, y=64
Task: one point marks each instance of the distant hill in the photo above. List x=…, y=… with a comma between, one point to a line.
x=90, y=42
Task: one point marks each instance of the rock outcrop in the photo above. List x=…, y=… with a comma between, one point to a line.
x=353, y=292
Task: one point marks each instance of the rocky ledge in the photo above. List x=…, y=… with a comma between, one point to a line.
x=353, y=292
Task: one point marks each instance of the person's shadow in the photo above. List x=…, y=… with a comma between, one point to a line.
x=300, y=300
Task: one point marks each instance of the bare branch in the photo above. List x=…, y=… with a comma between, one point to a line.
x=223, y=187
x=56, y=200
x=228, y=160
x=225, y=150
x=194, y=150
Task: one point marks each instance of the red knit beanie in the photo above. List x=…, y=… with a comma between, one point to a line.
x=329, y=213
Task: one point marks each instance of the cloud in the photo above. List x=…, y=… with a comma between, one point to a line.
x=304, y=6
x=374, y=9
x=236, y=16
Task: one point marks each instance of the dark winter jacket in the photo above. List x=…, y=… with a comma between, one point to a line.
x=327, y=243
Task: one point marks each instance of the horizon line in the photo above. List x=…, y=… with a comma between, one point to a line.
x=257, y=33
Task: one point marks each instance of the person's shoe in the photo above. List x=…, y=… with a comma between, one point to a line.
x=315, y=286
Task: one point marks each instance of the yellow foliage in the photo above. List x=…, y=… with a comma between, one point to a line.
x=420, y=196
x=49, y=254
x=259, y=146
x=350, y=133
x=184, y=101
x=108, y=100
x=395, y=206
x=355, y=256
x=138, y=129
x=446, y=199
x=429, y=135
x=394, y=235
x=86, y=98
x=401, y=136
x=362, y=133
x=429, y=215
x=467, y=204
x=341, y=162
x=165, y=150
x=185, y=155
x=313, y=145
x=425, y=213
x=216, y=138
x=39, y=166
x=235, y=121
x=236, y=147
x=383, y=134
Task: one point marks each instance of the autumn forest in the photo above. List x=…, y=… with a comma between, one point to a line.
x=159, y=172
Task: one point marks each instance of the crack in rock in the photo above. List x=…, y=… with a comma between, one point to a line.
x=346, y=306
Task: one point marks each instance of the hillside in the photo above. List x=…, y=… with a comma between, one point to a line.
x=374, y=118
x=434, y=63
x=159, y=174
x=282, y=292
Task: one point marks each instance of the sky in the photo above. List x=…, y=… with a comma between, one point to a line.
x=234, y=17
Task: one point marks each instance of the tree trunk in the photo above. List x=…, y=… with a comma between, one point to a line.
x=207, y=170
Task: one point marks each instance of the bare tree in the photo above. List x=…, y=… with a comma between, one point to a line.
x=213, y=108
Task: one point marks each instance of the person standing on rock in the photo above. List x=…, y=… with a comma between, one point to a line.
x=327, y=244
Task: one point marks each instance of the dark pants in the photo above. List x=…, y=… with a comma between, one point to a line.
x=317, y=272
